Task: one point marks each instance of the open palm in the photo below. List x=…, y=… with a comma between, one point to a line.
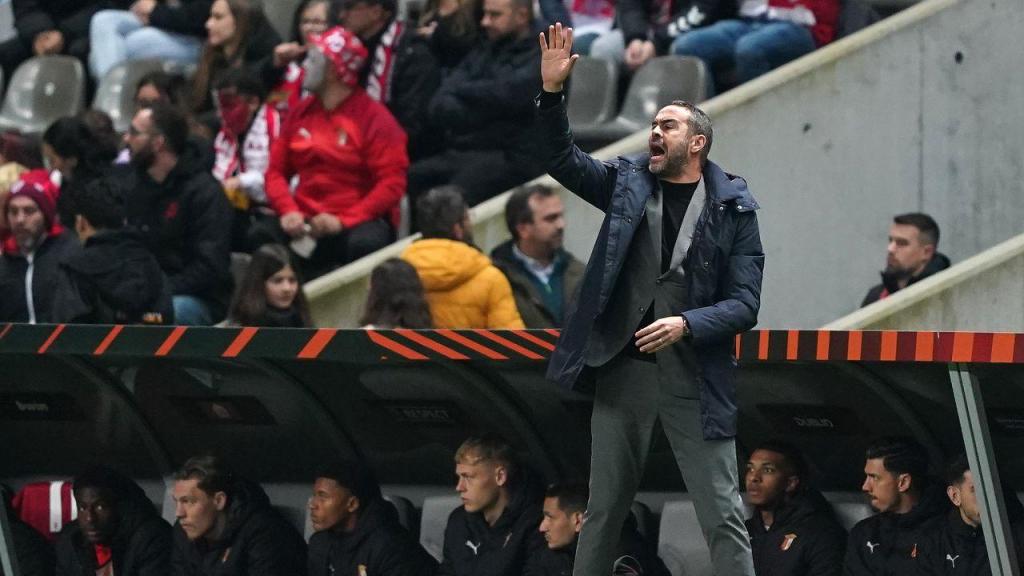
x=556, y=59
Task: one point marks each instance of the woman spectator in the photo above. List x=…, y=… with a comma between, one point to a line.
x=270, y=294
x=311, y=17
x=237, y=35
x=452, y=27
x=70, y=149
x=160, y=86
x=396, y=298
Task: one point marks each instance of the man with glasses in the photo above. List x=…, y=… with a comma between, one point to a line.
x=401, y=71
x=182, y=213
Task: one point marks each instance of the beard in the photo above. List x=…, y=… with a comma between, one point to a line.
x=897, y=271
x=27, y=240
x=671, y=164
x=143, y=158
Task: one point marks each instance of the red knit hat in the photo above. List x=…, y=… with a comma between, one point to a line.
x=344, y=50
x=36, y=184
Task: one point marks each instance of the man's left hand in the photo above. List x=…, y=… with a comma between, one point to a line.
x=661, y=333
x=325, y=224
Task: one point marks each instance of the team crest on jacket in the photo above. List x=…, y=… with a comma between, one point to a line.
x=361, y=570
x=342, y=137
x=913, y=552
x=787, y=541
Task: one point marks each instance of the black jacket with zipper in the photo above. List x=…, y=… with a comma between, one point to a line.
x=804, y=539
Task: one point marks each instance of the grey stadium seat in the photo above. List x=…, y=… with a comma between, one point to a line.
x=43, y=89
x=681, y=543
x=850, y=507
x=436, y=510
x=279, y=15
x=115, y=94
x=406, y=511
x=655, y=85
x=593, y=92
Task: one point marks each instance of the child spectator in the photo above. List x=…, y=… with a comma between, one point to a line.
x=270, y=294
x=248, y=129
x=396, y=298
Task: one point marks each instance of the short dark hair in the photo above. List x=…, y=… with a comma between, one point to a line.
x=958, y=466
x=243, y=82
x=356, y=477
x=106, y=479
x=489, y=447
x=172, y=124
x=209, y=471
x=439, y=210
x=698, y=123
x=901, y=455
x=101, y=202
x=389, y=5
x=927, y=228
x=572, y=496
x=518, y=211
x=793, y=457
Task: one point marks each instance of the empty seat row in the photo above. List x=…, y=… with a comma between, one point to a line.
x=45, y=88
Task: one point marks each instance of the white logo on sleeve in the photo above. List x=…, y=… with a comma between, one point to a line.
x=952, y=559
x=474, y=547
x=872, y=546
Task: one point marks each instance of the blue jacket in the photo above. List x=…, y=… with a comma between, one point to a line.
x=723, y=267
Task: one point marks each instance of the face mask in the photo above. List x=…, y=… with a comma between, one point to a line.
x=234, y=113
x=315, y=67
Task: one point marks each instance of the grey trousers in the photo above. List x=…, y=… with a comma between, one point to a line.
x=628, y=401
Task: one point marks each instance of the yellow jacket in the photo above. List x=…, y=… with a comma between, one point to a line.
x=463, y=288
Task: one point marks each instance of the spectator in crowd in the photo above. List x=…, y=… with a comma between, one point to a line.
x=115, y=279
x=32, y=251
x=401, y=71
x=591, y=20
x=160, y=87
x=46, y=27
x=564, y=509
x=107, y=140
x=227, y=527
x=955, y=545
x=10, y=173
x=767, y=34
x=70, y=149
x=182, y=212
x=543, y=275
x=34, y=553
x=148, y=29
x=451, y=28
x=238, y=36
x=912, y=255
x=484, y=109
x=463, y=288
x=896, y=480
x=118, y=530
x=396, y=298
x=357, y=531
x=248, y=129
x=494, y=532
x=349, y=154
x=312, y=17
x=270, y=293
x=793, y=531
x=647, y=28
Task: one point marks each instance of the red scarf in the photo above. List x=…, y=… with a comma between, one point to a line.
x=378, y=82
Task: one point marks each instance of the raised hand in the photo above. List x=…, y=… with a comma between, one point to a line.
x=556, y=57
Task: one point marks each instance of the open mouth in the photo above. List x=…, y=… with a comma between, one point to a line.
x=657, y=151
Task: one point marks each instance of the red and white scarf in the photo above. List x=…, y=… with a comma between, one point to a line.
x=378, y=82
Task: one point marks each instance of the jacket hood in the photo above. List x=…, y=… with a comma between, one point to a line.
x=445, y=264
x=526, y=492
x=805, y=504
x=122, y=268
x=378, y=514
x=938, y=263
x=247, y=498
x=933, y=503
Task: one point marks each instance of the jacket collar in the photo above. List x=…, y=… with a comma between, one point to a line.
x=721, y=187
